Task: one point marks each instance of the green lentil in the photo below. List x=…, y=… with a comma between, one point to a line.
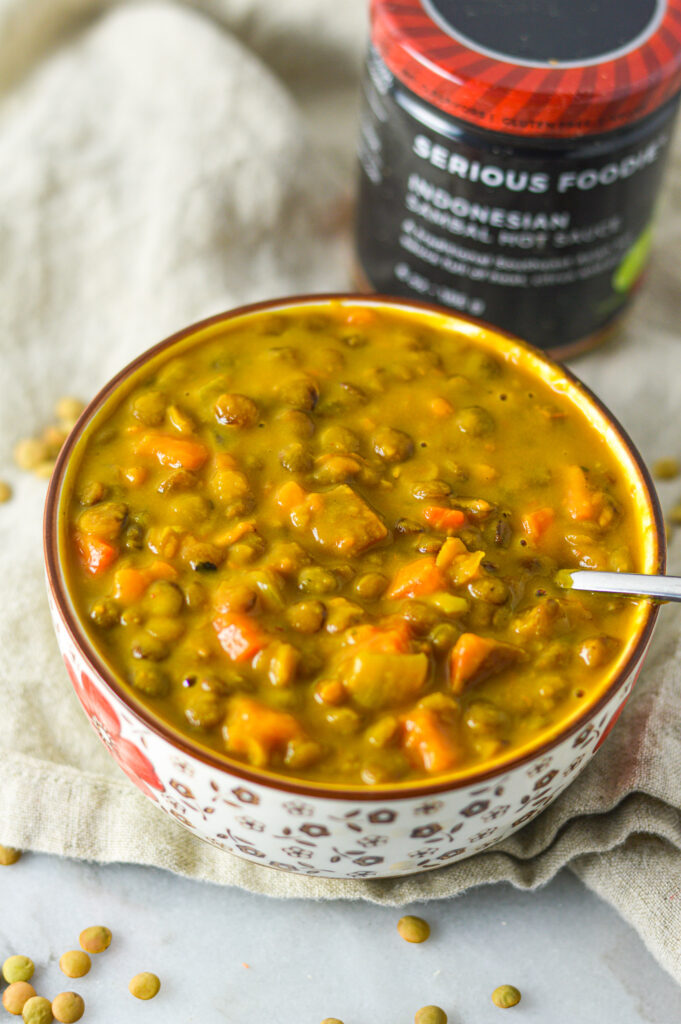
x=15, y=996
x=37, y=1010
x=95, y=939
x=18, y=968
x=68, y=1007
x=8, y=855
x=430, y=1015
x=145, y=985
x=413, y=929
x=75, y=963
x=666, y=469
x=505, y=996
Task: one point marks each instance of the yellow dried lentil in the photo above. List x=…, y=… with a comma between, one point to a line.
x=30, y=452
x=18, y=968
x=505, y=996
x=67, y=410
x=68, y=1007
x=95, y=939
x=75, y=963
x=413, y=929
x=37, y=1010
x=145, y=985
x=5, y=492
x=8, y=855
x=15, y=996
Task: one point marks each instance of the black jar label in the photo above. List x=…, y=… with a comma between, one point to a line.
x=545, y=241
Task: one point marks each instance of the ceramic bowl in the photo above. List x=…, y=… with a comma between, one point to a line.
x=330, y=830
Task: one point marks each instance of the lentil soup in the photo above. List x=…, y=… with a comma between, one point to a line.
x=322, y=540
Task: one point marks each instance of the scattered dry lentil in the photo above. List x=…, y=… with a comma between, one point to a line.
x=95, y=939
x=144, y=985
x=38, y=454
x=332, y=1020
x=68, y=1007
x=505, y=996
x=67, y=410
x=5, y=492
x=674, y=515
x=666, y=469
x=75, y=963
x=18, y=968
x=413, y=929
x=430, y=1015
x=37, y=1010
x=30, y=452
x=15, y=996
x=8, y=856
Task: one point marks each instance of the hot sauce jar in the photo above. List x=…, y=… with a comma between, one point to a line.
x=511, y=156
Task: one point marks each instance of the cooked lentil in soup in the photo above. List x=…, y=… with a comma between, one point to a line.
x=323, y=541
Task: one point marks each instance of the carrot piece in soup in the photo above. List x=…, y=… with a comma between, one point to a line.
x=239, y=635
x=535, y=524
x=394, y=640
x=430, y=742
x=474, y=658
x=161, y=571
x=416, y=579
x=95, y=554
x=176, y=452
x=580, y=500
x=258, y=731
x=444, y=518
x=129, y=584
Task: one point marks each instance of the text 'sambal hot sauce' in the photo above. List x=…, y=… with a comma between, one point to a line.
x=511, y=155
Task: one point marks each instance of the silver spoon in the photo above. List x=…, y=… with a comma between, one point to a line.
x=664, y=588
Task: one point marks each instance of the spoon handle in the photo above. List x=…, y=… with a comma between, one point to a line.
x=665, y=588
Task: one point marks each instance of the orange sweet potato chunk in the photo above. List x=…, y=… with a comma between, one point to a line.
x=474, y=658
x=257, y=731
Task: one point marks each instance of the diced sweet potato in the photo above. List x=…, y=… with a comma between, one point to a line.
x=390, y=640
x=474, y=658
x=173, y=451
x=339, y=520
x=430, y=741
x=257, y=731
x=375, y=680
x=239, y=635
x=95, y=554
x=416, y=579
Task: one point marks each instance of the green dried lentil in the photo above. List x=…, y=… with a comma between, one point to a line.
x=15, y=996
x=75, y=963
x=430, y=1015
x=145, y=985
x=95, y=939
x=37, y=1010
x=68, y=1007
x=413, y=929
x=8, y=855
x=505, y=996
x=18, y=968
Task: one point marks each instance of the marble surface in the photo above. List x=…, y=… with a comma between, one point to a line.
x=226, y=956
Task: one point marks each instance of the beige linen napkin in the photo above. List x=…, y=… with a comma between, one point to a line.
x=160, y=162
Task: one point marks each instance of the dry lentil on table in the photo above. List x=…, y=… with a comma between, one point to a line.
x=324, y=542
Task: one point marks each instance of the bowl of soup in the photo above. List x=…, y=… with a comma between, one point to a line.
x=302, y=561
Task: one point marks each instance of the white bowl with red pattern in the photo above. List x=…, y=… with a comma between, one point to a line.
x=333, y=830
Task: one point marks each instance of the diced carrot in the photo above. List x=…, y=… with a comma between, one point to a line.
x=441, y=407
x=290, y=495
x=394, y=640
x=135, y=475
x=239, y=635
x=430, y=743
x=225, y=460
x=95, y=554
x=417, y=579
x=258, y=731
x=579, y=499
x=535, y=524
x=129, y=584
x=235, y=533
x=176, y=452
x=444, y=518
x=452, y=547
x=474, y=658
x=161, y=571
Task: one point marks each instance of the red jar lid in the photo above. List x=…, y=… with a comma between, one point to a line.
x=542, y=68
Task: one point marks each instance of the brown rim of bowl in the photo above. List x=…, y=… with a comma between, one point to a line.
x=59, y=591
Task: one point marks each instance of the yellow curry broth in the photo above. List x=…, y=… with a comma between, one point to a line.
x=323, y=540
